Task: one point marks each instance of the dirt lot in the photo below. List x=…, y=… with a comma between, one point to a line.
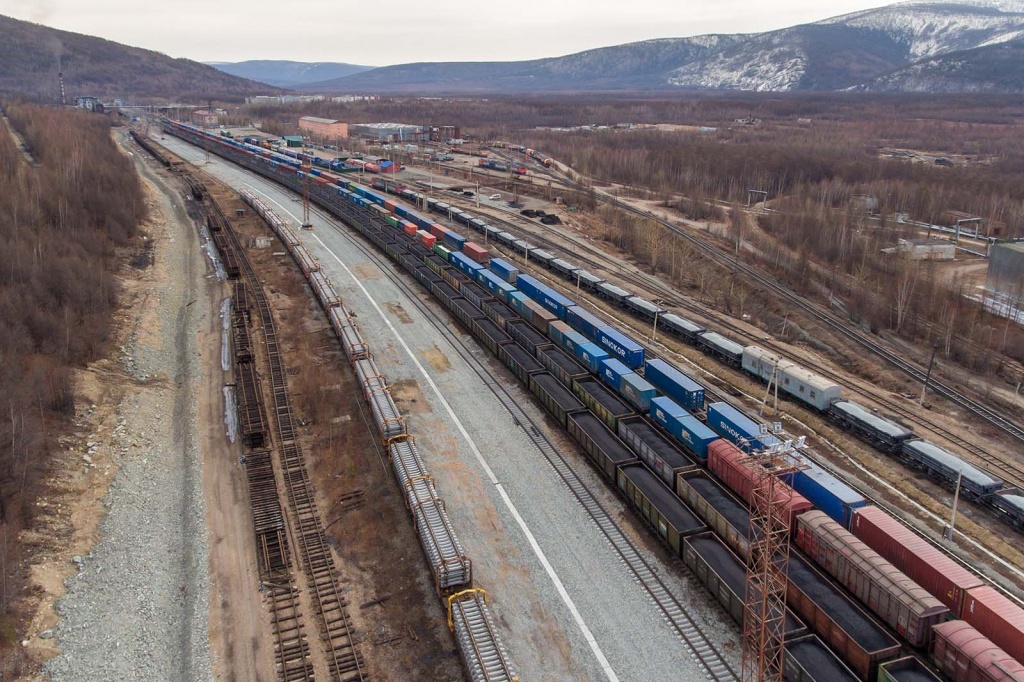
x=397, y=617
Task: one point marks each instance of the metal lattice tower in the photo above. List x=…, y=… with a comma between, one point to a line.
x=764, y=618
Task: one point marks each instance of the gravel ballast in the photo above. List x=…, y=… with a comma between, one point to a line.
x=138, y=607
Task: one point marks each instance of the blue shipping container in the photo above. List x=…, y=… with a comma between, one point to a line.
x=543, y=294
x=573, y=341
x=455, y=239
x=591, y=355
x=826, y=492
x=612, y=372
x=518, y=300
x=620, y=346
x=496, y=285
x=686, y=428
x=557, y=331
x=465, y=263
x=505, y=270
x=731, y=424
x=583, y=321
x=675, y=384
x=637, y=391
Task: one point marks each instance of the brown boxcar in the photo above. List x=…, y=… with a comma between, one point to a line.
x=923, y=563
x=597, y=440
x=601, y=401
x=906, y=606
x=541, y=317
x=806, y=659
x=657, y=452
x=558, y=400
x=907, y=669
x=965, y=655
x=727, y=462
x=658, y=506
x=725, y=576
x=716, y=506
x=996, y=617
x=857, y=639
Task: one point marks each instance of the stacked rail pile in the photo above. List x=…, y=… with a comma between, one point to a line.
x=343, y=658
x=470, y=619
x=153, y=151
x=291, y=646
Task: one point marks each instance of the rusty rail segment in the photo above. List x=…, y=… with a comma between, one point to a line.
x=344, y=660
x=291, y=647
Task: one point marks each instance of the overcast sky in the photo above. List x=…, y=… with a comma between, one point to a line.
x=398, y=31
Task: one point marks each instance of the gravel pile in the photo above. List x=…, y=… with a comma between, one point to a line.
x=137, y=608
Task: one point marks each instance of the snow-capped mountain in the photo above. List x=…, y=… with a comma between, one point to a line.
x=889, y=48
x=849, y=50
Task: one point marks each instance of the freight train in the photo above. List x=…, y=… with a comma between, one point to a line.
x=576, y=379
x=798, y=383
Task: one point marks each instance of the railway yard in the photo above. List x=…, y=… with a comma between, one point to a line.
x=423, y=436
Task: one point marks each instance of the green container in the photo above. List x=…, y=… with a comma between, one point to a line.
x=443, y=251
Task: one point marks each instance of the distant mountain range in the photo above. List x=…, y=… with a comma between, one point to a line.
x=29, y=55
x=917, y=46
x=285, y=74
x=972, y=46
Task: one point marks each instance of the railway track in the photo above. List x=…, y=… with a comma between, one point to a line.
x=1006, y=468
x=343, y=658
x=291, y=647
x=724, y=258
x=702, y=649
x=1000, y=421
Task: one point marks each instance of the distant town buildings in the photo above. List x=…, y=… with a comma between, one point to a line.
x=94, y=104
x=344, y=99
x=204, y=117
x=389, y=132
x=283, y=99
x=323, y=128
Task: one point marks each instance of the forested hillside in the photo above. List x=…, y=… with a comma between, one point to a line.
x=29, y=55
x=65, y=228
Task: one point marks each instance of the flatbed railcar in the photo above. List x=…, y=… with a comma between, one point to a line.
x=726, y=350
x=886, y=435
x=945, y=466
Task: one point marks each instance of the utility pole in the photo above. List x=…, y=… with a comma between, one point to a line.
x=654, y=327
x=928, y=376
x=773, y=381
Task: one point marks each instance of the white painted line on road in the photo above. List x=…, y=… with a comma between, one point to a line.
x=559, y=586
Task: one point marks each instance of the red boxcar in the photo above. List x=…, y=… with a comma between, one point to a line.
x=476, y=252
x=426, y=238
x=439, y=231
x=996, y=617
x=906, y=606
x=923, y=563
x=389, y=205
x=966, y=655
x=409, y=228
x=726, y=461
